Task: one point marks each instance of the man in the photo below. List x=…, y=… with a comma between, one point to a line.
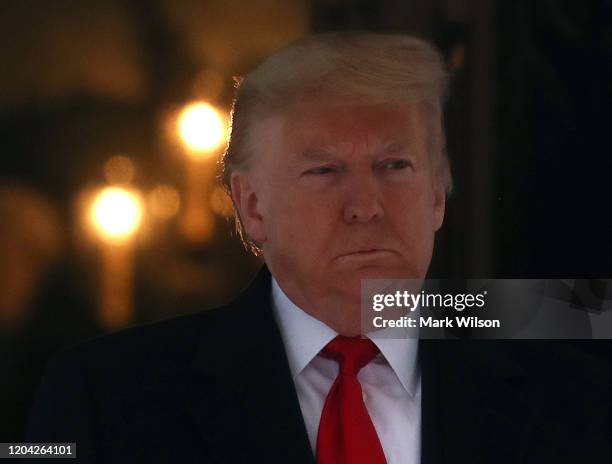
x=337, y=170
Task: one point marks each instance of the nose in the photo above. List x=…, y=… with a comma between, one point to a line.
x=362, y=201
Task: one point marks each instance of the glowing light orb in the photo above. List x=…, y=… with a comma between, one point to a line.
x=201, y=128
x=116, y=213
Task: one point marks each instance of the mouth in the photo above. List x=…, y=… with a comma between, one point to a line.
x=366, y=252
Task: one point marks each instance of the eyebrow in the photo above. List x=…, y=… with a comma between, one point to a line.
x=396, y=146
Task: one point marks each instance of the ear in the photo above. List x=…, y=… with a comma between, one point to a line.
x=439, y=207
x=247, y=202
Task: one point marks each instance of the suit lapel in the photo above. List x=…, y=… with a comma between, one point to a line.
x=432, y=412
x=471, y=397
x=242, y=386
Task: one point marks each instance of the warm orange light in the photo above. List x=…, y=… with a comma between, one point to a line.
x=116, y=213
x=202, y=129
x=221, y=203
x=164, y=202
x=119, y=170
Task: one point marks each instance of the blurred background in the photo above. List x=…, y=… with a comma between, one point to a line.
x=113, y=115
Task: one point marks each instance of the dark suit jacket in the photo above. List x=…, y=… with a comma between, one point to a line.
x=215, y=387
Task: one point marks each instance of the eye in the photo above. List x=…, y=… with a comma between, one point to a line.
x=397, y=164
x=321, y=170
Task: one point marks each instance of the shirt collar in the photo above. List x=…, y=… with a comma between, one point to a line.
x=305, y=336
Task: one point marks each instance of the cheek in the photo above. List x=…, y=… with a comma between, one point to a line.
x=412, y=211
x=302, y=220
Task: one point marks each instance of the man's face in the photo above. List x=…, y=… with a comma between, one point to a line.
x=338, y=194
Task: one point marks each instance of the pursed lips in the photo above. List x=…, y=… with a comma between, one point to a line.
x=366, y=252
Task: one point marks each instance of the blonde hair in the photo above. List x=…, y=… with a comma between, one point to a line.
x=352, y=67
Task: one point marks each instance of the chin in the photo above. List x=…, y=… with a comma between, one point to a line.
x=384, y=272
x=350, y=281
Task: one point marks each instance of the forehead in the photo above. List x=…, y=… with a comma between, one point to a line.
x=346, y=130
x=341, y=129
x=335, y=124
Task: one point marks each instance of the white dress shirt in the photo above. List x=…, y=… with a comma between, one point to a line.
x=391, y=383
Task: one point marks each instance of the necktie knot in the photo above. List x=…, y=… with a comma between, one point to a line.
x=351, y=353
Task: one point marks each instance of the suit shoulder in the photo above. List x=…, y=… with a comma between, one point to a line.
x=166, y=344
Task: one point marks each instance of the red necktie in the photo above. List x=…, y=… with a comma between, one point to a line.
x=346, y=433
